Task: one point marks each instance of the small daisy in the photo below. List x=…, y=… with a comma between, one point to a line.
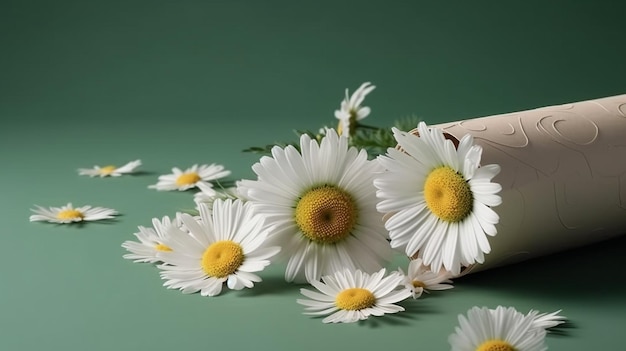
x=351, y=110
x=190, y=178
x=150, y=240
x=421, y=279
x=502, y=329
x=546, y=320
x=323, y=205
x=110, y=171
x=69, y=214
x=352, y=297
x=207, y=194
x=438, y=199
x=227, y=246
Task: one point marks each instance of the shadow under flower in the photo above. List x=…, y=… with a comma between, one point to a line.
x=141, y=174
x=273, y=285
x=562, y=330
x=413, y=310
x=82, y=224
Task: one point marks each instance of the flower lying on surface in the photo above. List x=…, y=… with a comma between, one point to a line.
x=351, y=110
x=323, y=205
x=207, y=194
x=227, y=246
x=353, y=296
x=69, y=214
x=438, y=198
x=421, y=279
x=190, y=178
x=150, y=241
x=110, y=171
x=502, y=329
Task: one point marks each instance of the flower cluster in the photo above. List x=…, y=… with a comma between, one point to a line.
x=70, y=214
x=334, y=210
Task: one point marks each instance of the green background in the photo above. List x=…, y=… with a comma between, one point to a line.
x=181, y=82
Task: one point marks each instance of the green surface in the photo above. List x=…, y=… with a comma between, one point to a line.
x=180, y=82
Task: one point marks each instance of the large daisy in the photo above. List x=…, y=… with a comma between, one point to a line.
x=323, y=205
x=150, y=240
x=420, y=279
x=437, y=199
x=502, y=329
x=111, y=170
x=225, y=246
x=70, y=214
x=354, y=296
x=190, y=178
x=351, y=111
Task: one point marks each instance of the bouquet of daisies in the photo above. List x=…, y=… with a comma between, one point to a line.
x=337, y=204
x=334, y=206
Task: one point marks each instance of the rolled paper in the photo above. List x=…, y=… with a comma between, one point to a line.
x=563, y=176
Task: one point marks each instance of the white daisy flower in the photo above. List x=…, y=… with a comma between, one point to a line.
x=207, y=194
x=354, y=296
x=69, y=214
x=227, y=246
x=323, y=205
x=351, y=110
x=438, y=200
x=190, y=178
x=502, y=329
x=150, y=240
x=110, y=171
x=421, y=279
x=546, y=320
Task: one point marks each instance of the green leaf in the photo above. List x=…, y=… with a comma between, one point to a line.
x=374, y=140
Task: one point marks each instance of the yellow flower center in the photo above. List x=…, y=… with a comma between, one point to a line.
x=70, y=214
x=495, y=345
x=418, y=284
x=326, y=214
x=447, y=194
x=222, y=258
x=187, y=179
x=355, y=299
x=107, y=169
x=162, y=247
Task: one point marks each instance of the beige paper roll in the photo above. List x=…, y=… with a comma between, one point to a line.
x=563, y=176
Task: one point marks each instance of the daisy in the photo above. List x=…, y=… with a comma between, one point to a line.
x=111, y=171
x=69, y=214
x=207, y=194
x=190, y=178
x=502, y=329
x=150, y=240
x=351, y=110
x=323, y=205
x=421, y=279
x=353, y=296
x=546, y=320
x=437, y=200
x=227, y=246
